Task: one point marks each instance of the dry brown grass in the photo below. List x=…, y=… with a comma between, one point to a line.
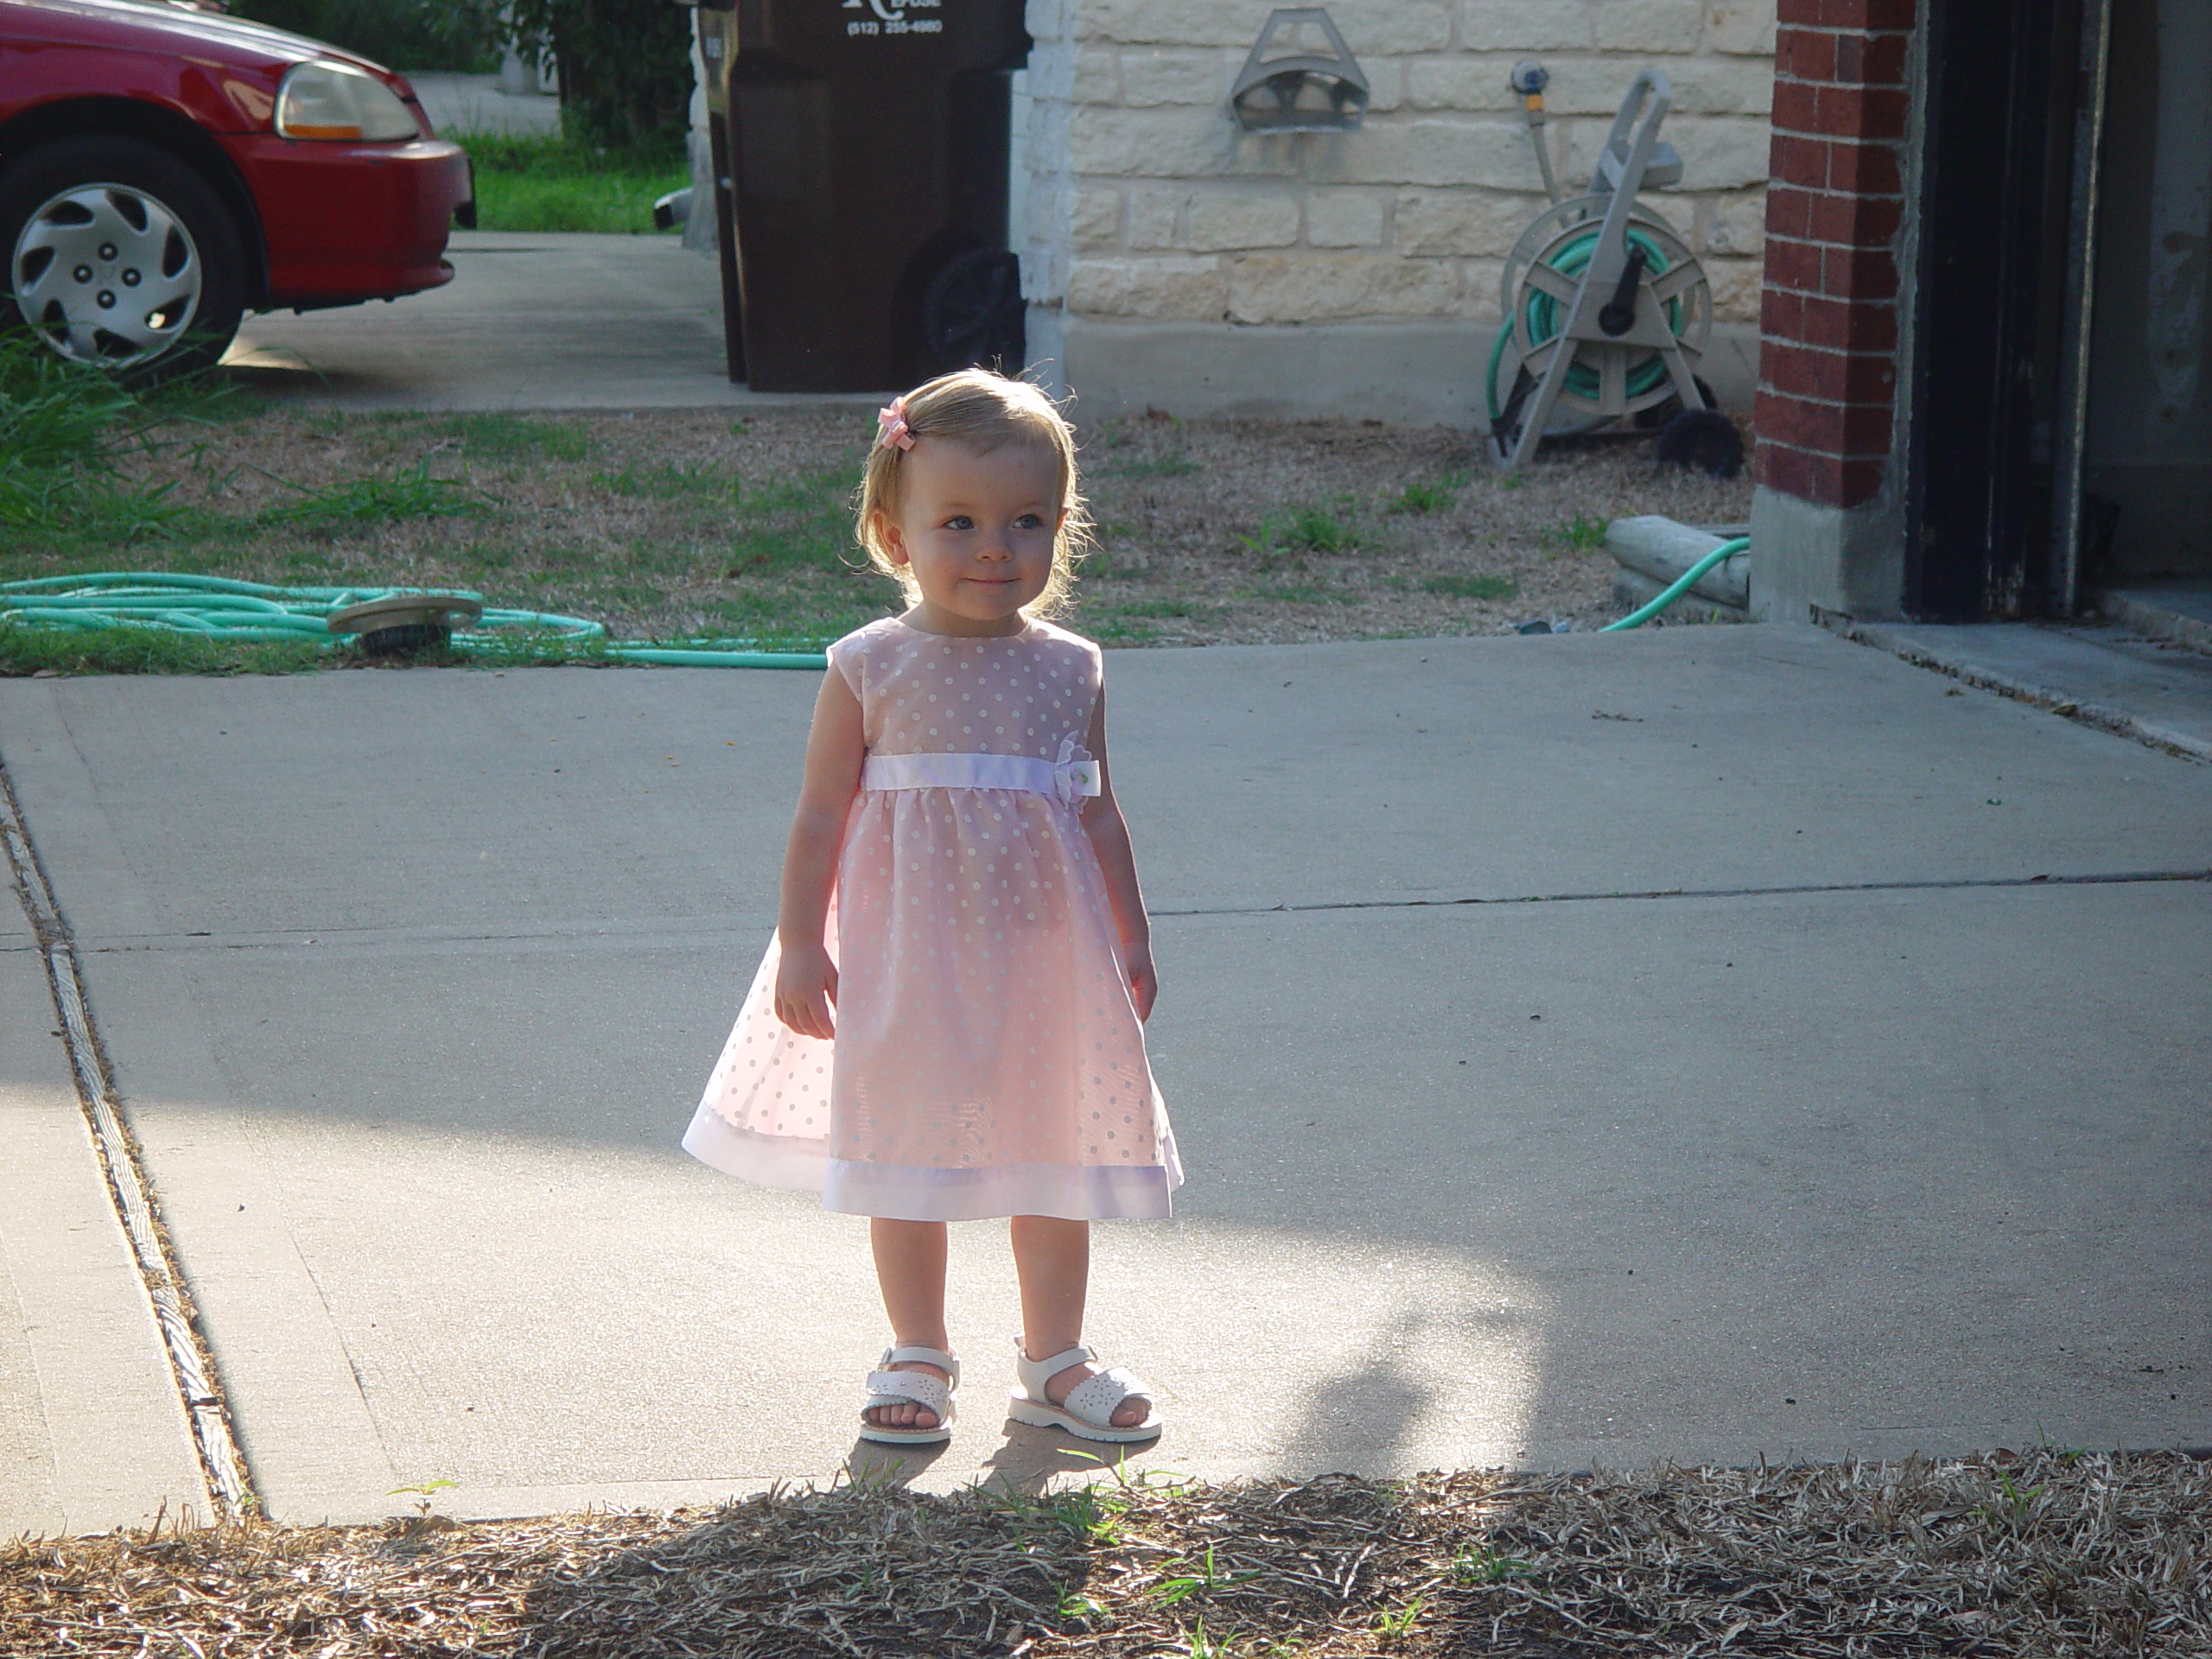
x=2043, y=1554
x=670, y=524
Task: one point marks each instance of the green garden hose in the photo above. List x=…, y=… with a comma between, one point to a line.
x=1539, y=320
x=1682, y=584
x=215, y=607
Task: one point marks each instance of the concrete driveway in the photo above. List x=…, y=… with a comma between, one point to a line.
x=1705, y=1043
x=529, y=321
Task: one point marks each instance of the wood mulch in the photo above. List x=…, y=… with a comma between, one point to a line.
x=2035, y=1555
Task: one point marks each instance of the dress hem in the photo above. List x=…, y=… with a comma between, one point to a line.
x=901, y=1192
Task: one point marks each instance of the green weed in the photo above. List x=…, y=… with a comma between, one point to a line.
x=1426, y=496
x=1582, y=533
x=1400, y=1623
x=1474, y=1564
x=1459, y=586
x=1204, y=1581
x=1316, y=529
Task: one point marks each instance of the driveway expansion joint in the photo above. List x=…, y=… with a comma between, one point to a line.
x=1944, y=884
x=199, y=1384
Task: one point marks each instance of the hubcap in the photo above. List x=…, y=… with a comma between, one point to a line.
x=107, y=274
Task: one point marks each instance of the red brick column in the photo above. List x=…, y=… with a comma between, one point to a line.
x=1827, y=360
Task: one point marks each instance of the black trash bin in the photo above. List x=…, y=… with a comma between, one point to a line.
x=867, y=146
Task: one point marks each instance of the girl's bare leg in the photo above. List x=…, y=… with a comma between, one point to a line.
x=1053, y=1258
x=910, y=1271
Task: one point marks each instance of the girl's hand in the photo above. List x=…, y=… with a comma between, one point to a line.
x=806, y=987
x=1144, y=981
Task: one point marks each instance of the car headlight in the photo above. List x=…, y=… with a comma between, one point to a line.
x=336, y=100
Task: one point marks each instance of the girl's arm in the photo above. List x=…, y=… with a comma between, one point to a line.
x=1109, y=838
x=806, y=983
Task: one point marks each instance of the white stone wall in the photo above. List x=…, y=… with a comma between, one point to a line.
x=1145, y=204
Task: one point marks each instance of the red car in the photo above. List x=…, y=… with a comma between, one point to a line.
x=164, y=170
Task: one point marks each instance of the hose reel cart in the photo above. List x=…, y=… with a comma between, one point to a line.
x=1605, y=310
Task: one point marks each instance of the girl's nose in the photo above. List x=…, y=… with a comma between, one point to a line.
x=994, y=547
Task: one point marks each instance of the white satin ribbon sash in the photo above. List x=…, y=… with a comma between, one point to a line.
x=1068, y=779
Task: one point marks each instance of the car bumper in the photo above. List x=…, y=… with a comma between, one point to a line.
x=347, y=222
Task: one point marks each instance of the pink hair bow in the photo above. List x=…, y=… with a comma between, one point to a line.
x=891, y=430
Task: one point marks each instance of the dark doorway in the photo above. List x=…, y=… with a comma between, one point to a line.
x=1989, y=312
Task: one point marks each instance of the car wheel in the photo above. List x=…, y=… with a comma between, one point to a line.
x=120, y=257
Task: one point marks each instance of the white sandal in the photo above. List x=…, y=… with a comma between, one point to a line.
x=1089, y=1411
x=888, y=1388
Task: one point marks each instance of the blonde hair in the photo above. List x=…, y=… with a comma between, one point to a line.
x=983, y=410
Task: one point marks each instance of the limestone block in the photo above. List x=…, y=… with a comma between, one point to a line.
x=1386, y=82
x=1098, y=77
x=1744, y=26
x=1720, y=152
x=1165, y=290
x=1460, y=82
x=1462, y=221
x=1097, y=224
x=1183, y=142
x=1049, y=20
x=1383, y=26
x=1525, y=26
x=1221, y=221
x=1718, y=86
x=1318, y=287
x=1739, y=223
x=1736, y=284
x=1155, y=216
x=1152, y=75
x=1345, y=219
x=1431, y=150
x=1479, y=302
x=1171, y=23
x=1649, y=25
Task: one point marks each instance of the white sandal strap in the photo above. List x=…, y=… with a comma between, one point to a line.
x=895, y=1388
x=1036, y=1373
x=915, y=1354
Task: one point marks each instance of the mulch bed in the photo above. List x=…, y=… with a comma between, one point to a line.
x=2046, y=1552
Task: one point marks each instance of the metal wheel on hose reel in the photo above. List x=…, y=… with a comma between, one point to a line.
x=1535, y=289
x=120, y=258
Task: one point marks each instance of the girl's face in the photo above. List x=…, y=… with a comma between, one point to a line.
x=977, y=528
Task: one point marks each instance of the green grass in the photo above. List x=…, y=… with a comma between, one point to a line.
x=1148, y=466
x=529, y=182
x=410, y=492
x=145, y=650
x=1459, y=586
x=499, y=436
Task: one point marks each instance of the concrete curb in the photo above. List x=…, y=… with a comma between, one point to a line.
x=2119, y=722
x=197, y=1386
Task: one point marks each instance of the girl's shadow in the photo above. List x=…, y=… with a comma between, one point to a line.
x=871, y=1463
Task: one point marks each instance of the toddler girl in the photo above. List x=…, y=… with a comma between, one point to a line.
x=949, y=1024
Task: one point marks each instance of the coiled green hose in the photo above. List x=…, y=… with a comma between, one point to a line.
x=215, y=607
x=1538, y=321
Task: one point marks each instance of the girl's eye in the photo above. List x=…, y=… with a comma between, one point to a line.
x=1027, y=521
x=960, y=521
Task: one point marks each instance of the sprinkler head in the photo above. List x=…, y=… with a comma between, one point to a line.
x=404, y=622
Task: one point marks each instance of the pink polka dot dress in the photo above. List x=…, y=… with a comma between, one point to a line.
x=988, y=1059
